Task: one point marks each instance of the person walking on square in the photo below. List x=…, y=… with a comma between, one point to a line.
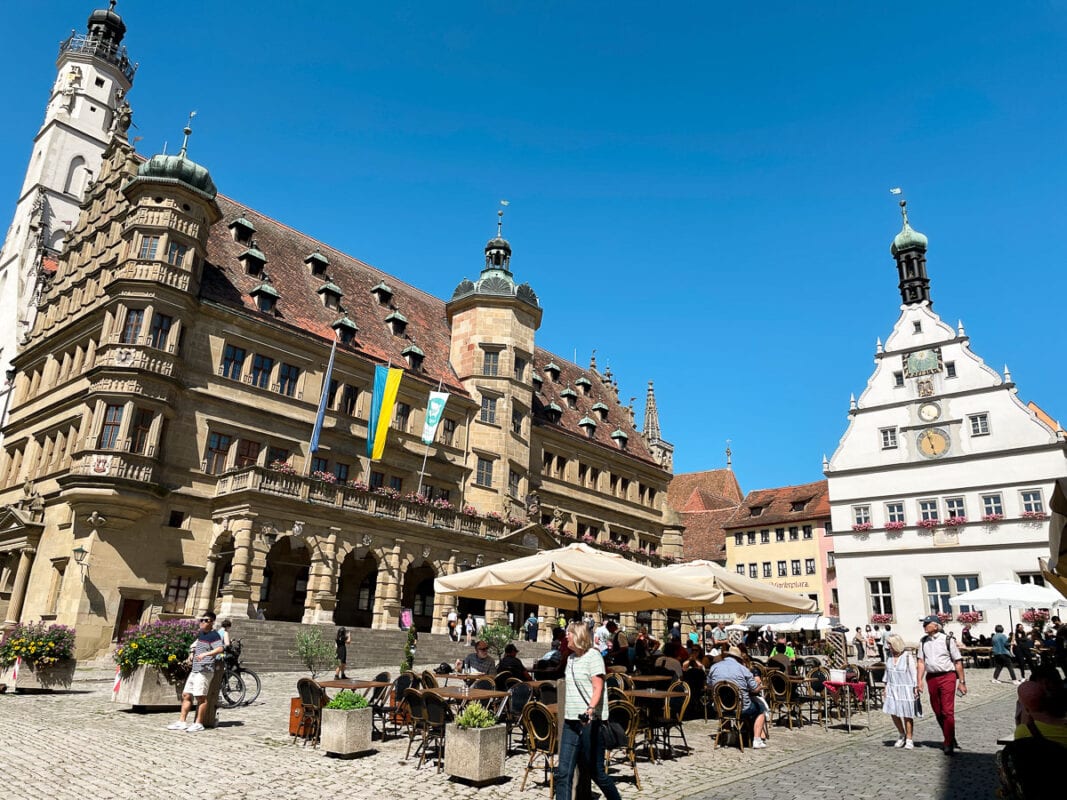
x=468, y=628
x=941, y=664
x=344, y=638
x=208, y=644
x=900, y=682
x=1002, y=655
x=859, y=641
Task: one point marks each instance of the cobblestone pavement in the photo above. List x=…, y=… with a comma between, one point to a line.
x=80, y=745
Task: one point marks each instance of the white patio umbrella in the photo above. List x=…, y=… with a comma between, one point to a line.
x=578, y=574
x=1009, y=594
x=741, y=595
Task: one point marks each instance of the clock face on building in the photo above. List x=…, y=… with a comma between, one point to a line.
x=929, y=412
x=933, y=442
x=922, y=362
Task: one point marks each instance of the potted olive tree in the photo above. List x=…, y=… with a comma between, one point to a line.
x=476, y=745
x=347, y=725
x=38, y=657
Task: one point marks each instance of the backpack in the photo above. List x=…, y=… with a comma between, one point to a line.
x=1022, y=765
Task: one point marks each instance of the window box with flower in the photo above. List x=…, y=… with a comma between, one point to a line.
x=955, y=522
x=1034, y=516
x=1035, y=616
x=944, y=616
x=862, y=527
x=358, y=486
x=325, y=477
x=895, y=526
x=470, y=511
x=929, y=524
x=38, y=657
x=969, y=617
x=283, y=467
x=992, y=519
x=881, y=619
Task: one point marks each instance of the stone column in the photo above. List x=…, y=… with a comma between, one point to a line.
x=387, y=593
x=324, y=570
x=18, y=591
x=496, y=609
x=236, y=600
x=210, y=575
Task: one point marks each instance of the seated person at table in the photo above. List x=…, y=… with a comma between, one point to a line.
x=966, y=636
x=731, y=670
x=479, y=661
x=780, y=659
x=790, y=653
x=509, y=662
x=1043, y=699
x=668, y=665
x=695, y=658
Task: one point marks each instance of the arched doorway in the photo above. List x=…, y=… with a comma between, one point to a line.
x=418, y=596
x=285, y=581
x=355, y=591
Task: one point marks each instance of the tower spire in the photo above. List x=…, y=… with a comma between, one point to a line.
x=187, y=130
x=651, y=428
x=909, y=250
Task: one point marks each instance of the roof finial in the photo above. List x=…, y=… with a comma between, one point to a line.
x=592, y=360
x=187, y=131
x=904, y=212
x=729, y=455
x=111, y=5
x=500, y=219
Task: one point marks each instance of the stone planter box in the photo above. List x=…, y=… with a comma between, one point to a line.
x=475, y=754
x=149, y=689
x=346, y=733
x=47, y=679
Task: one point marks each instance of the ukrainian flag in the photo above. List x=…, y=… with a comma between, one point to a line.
x=386, y=384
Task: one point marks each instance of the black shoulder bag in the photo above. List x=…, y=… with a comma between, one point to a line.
x=612, y=734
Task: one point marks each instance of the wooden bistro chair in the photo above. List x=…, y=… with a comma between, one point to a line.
x=519, y=695
x=428, y=680
x=548, y=694
x=783, y=697
x=416, y=709
x=728, y=709
x=625, y=713
x=437, y=718
x=666, y=721
x=541, y=737
x=312, y=699
x=389, y=706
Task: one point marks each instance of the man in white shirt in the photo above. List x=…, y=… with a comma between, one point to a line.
x=941, y=664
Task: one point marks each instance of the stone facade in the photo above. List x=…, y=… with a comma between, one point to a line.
x=156, y=456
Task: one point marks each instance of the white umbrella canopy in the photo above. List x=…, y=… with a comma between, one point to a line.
x=578, y=575
x=1009, y=594
x=741, y=595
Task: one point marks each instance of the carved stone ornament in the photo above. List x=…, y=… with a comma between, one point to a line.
x=367, y=539
x=426, y=551
x=479, y=560
x=926, y=388
x=298, y=528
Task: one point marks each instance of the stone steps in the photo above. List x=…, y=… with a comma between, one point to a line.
x=266, y=646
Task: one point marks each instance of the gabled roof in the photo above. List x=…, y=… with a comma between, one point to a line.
x=718, y=488
x=704, y=535
x=776, y=506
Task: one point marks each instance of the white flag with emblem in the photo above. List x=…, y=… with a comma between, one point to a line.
x=435, y=408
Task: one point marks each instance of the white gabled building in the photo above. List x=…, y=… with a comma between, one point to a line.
x=942, y=480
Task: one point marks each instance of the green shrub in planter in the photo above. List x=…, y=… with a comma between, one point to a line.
x=348, y=701
x=475, y=715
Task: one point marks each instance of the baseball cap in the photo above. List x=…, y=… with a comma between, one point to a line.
x=929, y=619
x=511, y=649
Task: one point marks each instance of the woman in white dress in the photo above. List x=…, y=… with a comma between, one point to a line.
x=900, y=677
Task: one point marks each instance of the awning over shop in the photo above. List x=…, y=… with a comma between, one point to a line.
x=789, y=622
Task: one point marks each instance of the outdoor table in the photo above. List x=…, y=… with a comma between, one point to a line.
x=858, y=688
x=652, y=678
x=353, y=685
x=537, y=684
x=462, y=695
x=466, y=677
x=977, y=654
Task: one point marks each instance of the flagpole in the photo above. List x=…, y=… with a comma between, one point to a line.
x=320, y=416
x=426, y=453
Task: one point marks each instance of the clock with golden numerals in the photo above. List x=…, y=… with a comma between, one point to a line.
x=933, y=443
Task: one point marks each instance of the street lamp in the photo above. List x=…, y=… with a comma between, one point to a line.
x=80, y=554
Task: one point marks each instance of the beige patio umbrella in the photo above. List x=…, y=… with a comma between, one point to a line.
x=741, y=595
x=578, y=575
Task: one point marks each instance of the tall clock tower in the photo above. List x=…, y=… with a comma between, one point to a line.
x=942, y=481
x=86, y=107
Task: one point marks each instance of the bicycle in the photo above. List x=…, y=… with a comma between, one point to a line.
x=240, y=686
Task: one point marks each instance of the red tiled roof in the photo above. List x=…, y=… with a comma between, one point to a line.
x=704, y=535
x=717, y=488
x=226, y=282
x=549, y=391
x=777, y=505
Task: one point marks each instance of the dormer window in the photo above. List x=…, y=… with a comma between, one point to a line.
x=798, y=505
x=584, y=385
x=318, y=263
x=383, y=293
x=553, y=412
x=397, y=323
x=588, y=424
x=620, y=438
x=601, y=411
x=345, y=330
x=755, y=511
x=552, y=370
x=241, y=230
x=414, y=356
x=331, y=295
x=266, y=297
x=538, y=382
x=570, y=397
x=253, y=259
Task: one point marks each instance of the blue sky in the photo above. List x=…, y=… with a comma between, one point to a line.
x=698, y=190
